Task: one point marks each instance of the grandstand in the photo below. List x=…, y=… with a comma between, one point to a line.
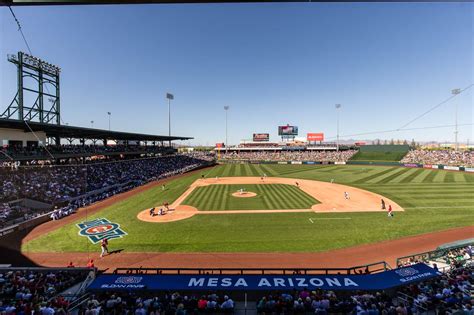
x=100, y=222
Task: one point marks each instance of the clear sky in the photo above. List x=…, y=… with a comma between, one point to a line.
x=273, y=64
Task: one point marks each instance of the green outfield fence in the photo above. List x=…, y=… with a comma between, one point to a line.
x=374, y=163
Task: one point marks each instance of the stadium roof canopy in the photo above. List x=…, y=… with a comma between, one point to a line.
x=64, y=131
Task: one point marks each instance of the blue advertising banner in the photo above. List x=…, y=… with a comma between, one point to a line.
x=378, y=281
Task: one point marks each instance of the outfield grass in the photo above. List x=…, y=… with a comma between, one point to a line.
x=433, y=199
x=389, y=153
x=269, y=197
x=378, y=156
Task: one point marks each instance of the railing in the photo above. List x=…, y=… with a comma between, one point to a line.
x=407, y=299
x=364, y=269
x=430, y=255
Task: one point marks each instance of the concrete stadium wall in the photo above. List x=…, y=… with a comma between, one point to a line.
x=19, y=135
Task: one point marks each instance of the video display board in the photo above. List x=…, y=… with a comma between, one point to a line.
x=287, y=130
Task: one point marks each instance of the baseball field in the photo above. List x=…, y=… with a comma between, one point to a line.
x=280, y=216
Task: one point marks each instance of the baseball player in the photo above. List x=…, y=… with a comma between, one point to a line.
x=104, y=247
x=390, y=212
x=383, y=204
x=346, y=195
x=297, y=184
x=163, y=187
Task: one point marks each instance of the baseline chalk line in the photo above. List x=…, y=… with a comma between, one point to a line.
x=313, y=219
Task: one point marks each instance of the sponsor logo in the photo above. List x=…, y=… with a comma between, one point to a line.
x=128, y=280
x=410, y=165
x=296, y=162
x=427, y=166
x=99, y=229
x=469, y=169
x=451, y=168
x=406, y=272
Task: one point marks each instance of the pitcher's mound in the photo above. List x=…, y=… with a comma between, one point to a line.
x=245, y=194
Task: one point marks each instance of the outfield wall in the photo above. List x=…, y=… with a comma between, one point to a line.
x=379, y=163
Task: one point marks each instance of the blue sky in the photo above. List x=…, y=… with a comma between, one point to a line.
x=272, y=64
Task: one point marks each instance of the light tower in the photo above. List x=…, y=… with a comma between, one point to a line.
x=109, y=113
x=170, y=97
x=456, y=145
x=22, y=107
x=226, y=108
x=338, y=106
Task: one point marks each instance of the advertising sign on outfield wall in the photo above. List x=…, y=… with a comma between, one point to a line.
x=469, y=169
x=435, y=166
x=427, y=166
x=410, y=165
x=340, y=163
x=296, y=162
x=451, y=168
x=282, y=162
x=311, y=137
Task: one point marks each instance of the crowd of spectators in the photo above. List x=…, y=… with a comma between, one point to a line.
x=326, y=302
x=60, y=183
x=73, y=186
x=451, y=259
x=36, y=291
x=444, y=157
x=316, y=156
x=12, y=214
x=447, y=294
x=37, y=152
x=154, y=304
x=22, y=292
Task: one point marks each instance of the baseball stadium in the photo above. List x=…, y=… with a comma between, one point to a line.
x=107, y=221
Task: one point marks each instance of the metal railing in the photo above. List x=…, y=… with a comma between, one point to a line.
x=363, y=269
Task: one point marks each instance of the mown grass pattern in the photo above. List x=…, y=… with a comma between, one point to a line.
x=269, y=197
x=433, y=199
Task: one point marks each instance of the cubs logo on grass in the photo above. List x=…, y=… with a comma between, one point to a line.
x=99, y=229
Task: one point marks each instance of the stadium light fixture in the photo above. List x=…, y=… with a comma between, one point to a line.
x=170, y=97
x=456, y=145
x=226, y=108
x=109, y=113
x=338, y=106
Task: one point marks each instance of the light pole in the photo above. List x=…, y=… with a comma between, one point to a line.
x=170, y=97
x=109, y=113
x=338, y=106
x=226, y=108
x=456, y=145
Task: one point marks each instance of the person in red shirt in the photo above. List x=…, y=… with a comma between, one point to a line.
x=202, y=303
x=390, y=213
x=71, y=265
x=90, y=264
